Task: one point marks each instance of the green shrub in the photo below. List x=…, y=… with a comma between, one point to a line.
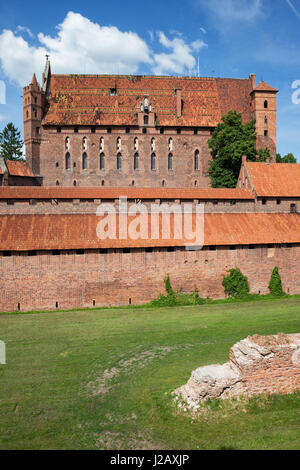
x=176, y=298
x=275, y=285
x=236, y=284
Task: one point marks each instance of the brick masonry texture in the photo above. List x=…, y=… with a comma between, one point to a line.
x=72, y=280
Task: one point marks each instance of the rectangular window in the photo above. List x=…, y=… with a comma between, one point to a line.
x=112, y=92
x=109, y=130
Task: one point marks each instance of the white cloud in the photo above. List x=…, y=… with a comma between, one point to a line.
x=227, y=12
x=180, y=59
x=24, y=29
x=82, y=46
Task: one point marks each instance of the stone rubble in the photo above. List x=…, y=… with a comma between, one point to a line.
x=258, y=364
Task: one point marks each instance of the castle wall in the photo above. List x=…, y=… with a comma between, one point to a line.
x=53, y=151
x=48, y=280
x=85, y=206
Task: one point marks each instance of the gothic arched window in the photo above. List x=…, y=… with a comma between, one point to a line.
x=170, y=162
x=102, y=161
x=84, y=161
x=196, y=160
x=119, y=161
x=101, y=144
x=68, y=161
x=153, y=162
x=136, y=161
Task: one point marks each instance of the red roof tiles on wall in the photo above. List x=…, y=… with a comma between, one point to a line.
x=275, y=179
x=18, y=168
x=78, y=231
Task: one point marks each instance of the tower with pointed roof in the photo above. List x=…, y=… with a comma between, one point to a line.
x=33, y=112
x=263, y=106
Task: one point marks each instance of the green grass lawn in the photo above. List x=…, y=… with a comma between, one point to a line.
x=102, y=379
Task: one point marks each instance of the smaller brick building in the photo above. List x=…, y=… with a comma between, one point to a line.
x=17, y=173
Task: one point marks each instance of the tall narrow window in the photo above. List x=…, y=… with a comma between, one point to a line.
x=136, y=144
x=196, y=160
x=119, y=144
x=153, y=162
x=119, y=161
x=102, y=161
x=170, y=162
x=84, y=161
x=101, y=144
x=152, y=144
x=266, y=120
x=84, y=143
x=136, y=161
x=67, y=146
x=170, y=144
x=266, y=104
x=68, y=161
x=146, y=120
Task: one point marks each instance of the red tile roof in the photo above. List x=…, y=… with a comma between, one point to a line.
x=18, y=168
x=275, y=179
x=85, y=99
x=32, y=192
x=262, y=86
x=78, y=231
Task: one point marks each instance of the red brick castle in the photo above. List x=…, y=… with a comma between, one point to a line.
x=96, y=139
x=144, y=131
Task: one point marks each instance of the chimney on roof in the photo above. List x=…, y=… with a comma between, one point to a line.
x=252, y=78
x=178, y=102
x=244, y=159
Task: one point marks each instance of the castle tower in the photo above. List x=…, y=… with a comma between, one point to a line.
x=33, y=112
x=263, y=106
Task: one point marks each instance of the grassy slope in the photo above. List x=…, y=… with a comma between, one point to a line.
x=53, y=393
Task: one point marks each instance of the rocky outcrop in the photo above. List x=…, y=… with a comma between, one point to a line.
x=258, y=364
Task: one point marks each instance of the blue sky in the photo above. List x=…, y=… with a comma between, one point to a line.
x=228, y=38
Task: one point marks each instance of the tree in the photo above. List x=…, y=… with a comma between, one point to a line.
x=235, y=284
x=288, y=158
x=275, y=285
x=11, y=143
x=230, y=140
